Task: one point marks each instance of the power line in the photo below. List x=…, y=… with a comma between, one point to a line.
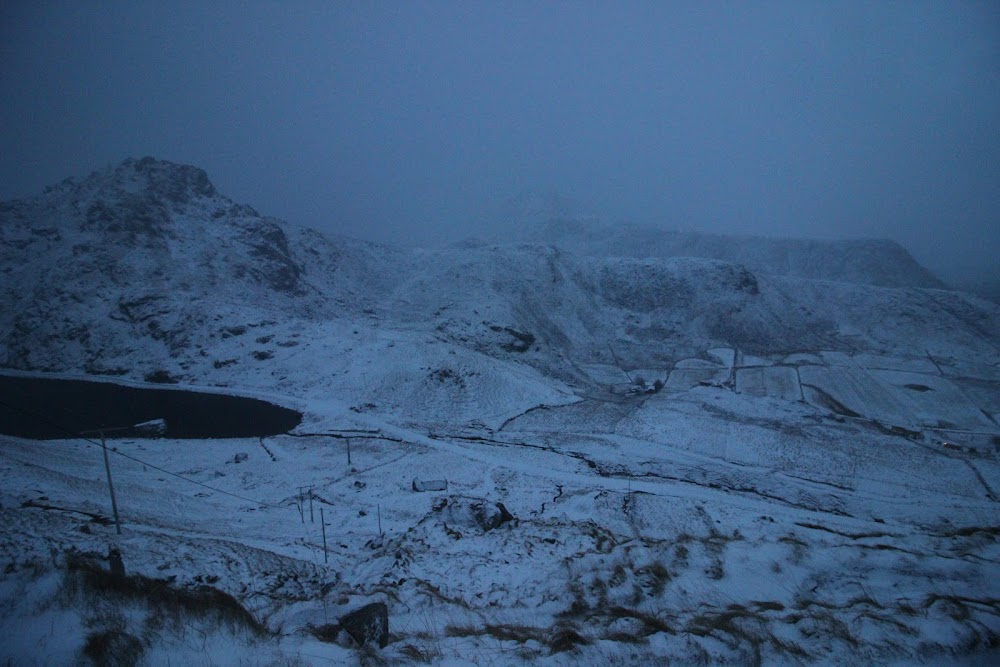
x=77, y=436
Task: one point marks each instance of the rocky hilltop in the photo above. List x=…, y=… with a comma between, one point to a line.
x=878, y=262
x=145, y=270
x=143, y=258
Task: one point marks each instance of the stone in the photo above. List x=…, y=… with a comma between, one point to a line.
x=368, y=624
x=488, y=517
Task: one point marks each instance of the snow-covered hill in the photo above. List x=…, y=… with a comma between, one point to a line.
x=144, y=269
x=871, y=262
x=716, y=449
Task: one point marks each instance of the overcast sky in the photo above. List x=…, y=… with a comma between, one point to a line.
x=414, y=121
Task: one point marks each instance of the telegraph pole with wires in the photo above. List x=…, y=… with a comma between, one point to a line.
x=155, y=427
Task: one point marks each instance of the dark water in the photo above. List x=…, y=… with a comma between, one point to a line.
x=44, y=409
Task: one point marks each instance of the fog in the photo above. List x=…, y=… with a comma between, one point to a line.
x=414, y=122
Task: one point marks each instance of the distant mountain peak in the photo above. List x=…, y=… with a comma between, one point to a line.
x=169, y=182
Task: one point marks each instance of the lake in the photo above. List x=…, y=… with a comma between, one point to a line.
x=46, y=408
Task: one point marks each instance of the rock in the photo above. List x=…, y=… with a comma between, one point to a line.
x=368, y=625
x=473, y=513
x=488, y=517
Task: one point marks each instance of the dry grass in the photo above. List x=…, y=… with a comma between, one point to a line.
x=736, y=627
x=654, y=576
x=651, y=624
x=745, y=630
x=558, y=639
x=419, y=654
x=87, y=580
x=113, y=648
x=124, y=615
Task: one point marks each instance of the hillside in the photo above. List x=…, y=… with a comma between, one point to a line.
x=709, y=449
x=883, y=263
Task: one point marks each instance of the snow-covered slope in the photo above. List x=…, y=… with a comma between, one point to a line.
x=139, y=267
x=784, y=497
x=149, y=251
x=873, y=262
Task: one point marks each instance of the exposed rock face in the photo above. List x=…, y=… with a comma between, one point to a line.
x=368, y=625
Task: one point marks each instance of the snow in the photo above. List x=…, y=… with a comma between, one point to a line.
x=784, y=498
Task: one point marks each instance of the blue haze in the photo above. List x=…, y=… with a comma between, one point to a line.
x=413, y=122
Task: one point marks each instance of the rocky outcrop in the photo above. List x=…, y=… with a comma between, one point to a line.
x=368, y=625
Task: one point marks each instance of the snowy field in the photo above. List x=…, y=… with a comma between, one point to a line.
x=710, y=525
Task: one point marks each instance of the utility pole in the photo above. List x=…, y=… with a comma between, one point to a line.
x=322, y=523
x=111, y=487
x=155, y=427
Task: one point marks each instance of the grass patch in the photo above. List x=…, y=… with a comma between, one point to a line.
x=728, y=627
x=889, y=620
x=823, y=625
x=744, y=629
x=113, y=648
x=650, y=624
x=969, y=531
x=516, y=633
x=418, y=654
x=558, y=639
x=625, y=638
x=680, y=556
x=87, y=580
x=655, y=577
x=618, y=576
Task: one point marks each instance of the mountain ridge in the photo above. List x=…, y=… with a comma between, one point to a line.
x=881, y=262
x=150, y=251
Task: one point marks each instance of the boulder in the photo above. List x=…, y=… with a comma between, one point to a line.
x=489, y=517
x=470, y=512
x=368, y=625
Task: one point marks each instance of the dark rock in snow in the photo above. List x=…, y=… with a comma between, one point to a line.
x=368, y=625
